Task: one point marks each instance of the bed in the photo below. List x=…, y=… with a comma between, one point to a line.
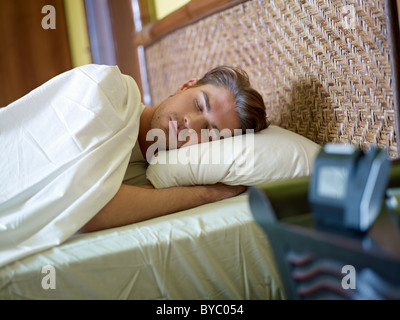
x=211, y=252
x=326, y=71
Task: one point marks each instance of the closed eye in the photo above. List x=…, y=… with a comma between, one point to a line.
x=200, y=109
x=198, y=106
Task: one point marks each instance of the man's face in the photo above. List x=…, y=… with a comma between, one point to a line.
x=183, y=116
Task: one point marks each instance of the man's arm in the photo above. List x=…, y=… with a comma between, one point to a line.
x=134, y=203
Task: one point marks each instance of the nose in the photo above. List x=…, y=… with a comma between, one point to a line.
x=195, y=121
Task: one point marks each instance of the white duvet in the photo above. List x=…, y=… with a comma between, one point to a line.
x=64, y=149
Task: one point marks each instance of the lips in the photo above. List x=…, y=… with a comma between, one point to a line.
x=173, y=126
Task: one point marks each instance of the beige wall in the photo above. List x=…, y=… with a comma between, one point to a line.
x=164, y=7
x=77, y=32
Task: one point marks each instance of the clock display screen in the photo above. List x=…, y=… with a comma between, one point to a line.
x=332, y=182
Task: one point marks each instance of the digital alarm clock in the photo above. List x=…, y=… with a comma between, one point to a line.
x=347, y=187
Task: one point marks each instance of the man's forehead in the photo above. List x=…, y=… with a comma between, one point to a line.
x=222, y=107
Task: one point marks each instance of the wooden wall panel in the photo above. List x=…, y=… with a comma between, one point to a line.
x=29, y=54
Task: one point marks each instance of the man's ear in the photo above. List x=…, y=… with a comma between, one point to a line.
x=186, y=85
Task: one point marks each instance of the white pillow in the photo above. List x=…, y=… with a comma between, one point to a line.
x=269, y=155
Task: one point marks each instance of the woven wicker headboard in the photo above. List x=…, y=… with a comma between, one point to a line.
x=322, y=66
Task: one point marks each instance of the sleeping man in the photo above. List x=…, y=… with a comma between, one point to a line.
x=222, y=99
x=74, y=152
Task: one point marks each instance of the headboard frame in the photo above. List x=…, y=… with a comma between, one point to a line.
x=322, y=66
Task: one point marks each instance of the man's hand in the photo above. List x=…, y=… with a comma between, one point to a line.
x=135, y=203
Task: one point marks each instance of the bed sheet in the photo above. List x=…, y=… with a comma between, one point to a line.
x=64, y=149
x=215, y=251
